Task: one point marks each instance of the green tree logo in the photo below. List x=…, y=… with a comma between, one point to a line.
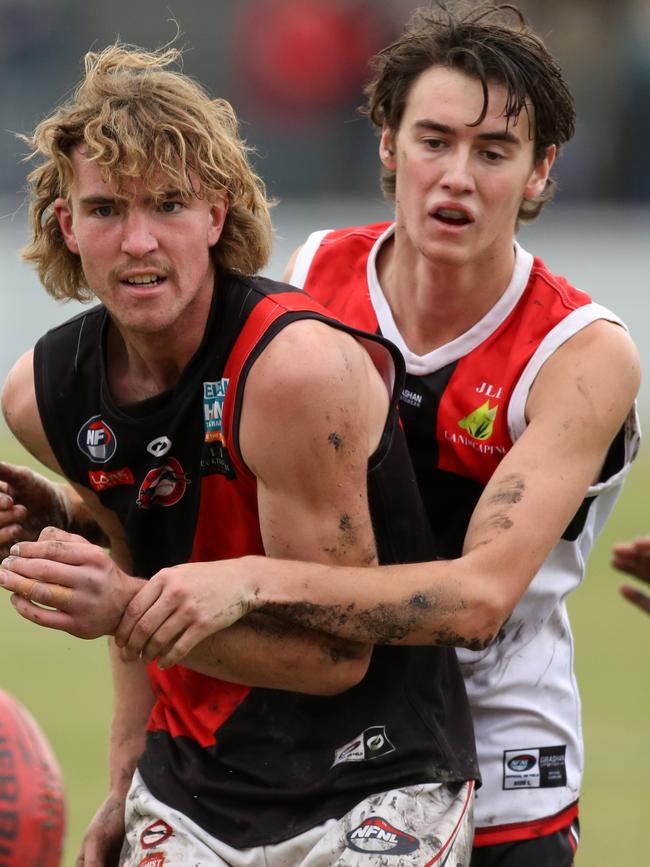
x=480, y=423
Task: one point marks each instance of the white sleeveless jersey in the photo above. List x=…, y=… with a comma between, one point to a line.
x=463, y=408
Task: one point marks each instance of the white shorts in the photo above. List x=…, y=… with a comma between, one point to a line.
x=419, y=826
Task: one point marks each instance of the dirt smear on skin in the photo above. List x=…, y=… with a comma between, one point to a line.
x=378, y=624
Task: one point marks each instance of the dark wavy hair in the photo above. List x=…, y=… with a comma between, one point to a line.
x=492, y=43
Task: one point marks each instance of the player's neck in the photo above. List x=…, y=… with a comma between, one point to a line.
x=148, y=348
x=140, y=366
x=434, y=303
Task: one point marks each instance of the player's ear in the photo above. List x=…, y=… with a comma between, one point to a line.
x=542, y=169
x=63, y=213
x=218, y=212
x=387, y=149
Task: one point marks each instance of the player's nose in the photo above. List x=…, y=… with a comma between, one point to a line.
x=457, y=175
x=139, y=237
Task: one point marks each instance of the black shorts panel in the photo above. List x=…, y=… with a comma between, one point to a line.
x=554, y=850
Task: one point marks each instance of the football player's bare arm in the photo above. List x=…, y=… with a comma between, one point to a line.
x=49, y=571
x=28, y=501
x=21, y=412
x=133, y=700
x=89, y=592
x=577, y=405
x=291, y=264
x=314, y=409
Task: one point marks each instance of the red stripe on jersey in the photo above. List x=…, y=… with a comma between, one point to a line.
x=328, y=273
x=572, y=839
x=200, y=704
x=267, y=311
x=526, y=830
x=472, y=420
x=472, y=430
x=225, y=533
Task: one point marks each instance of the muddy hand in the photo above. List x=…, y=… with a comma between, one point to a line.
x=84, y=590
x=28, y=503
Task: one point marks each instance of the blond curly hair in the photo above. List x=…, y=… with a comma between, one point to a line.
x=137, y=119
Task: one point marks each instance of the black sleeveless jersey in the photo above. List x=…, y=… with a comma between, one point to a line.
x=252, y=766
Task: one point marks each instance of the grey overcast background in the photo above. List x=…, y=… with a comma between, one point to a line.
x=294, y=70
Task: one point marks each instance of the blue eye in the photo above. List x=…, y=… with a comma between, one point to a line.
x=170, y=207
x=104, y=211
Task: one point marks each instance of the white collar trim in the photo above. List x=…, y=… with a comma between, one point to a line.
x=438, y=358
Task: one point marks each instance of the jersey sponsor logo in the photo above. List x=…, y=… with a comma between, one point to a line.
x=97, y=440
x=101, y=480
x=214, y=394
x=489, y=390
x=479, y=424
x=539, y=768
x=155, y=834
x=159, y=447
x=412, y=398
x=153, y=859
x=372, y=743
x=375, y=834
x=481, y=448
x=216, y=460
x=522, y=763
x=163, y=486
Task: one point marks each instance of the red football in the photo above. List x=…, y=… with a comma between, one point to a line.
x=32, y=798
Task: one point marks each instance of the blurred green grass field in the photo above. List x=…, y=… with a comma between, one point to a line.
x=65, y=683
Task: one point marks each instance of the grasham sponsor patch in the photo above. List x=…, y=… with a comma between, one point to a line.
x=377, y=835
x=538, y=768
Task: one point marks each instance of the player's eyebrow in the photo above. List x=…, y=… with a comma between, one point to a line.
x=504, y=136
x=163, y=195
x=98, y=200
x=497, y=135
x=434, y=126
x=102, y=199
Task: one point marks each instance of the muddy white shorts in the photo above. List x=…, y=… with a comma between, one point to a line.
x=419, y=826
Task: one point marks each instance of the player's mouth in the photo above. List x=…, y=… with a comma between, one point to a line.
x=143, y=281
x=452, y=216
